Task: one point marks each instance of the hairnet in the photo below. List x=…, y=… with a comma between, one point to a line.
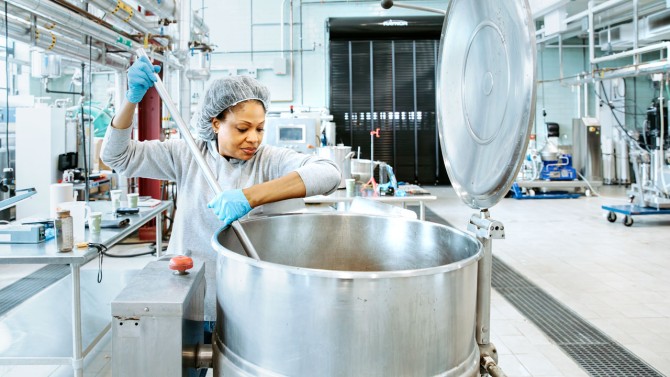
x=222, y=94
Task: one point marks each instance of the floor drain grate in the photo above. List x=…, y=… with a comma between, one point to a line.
x=590, y=348
x=26, y=287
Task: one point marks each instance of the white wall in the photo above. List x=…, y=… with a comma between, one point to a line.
x=559, y=100
x=255, y=25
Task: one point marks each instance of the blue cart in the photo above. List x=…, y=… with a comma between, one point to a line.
x=630, y=210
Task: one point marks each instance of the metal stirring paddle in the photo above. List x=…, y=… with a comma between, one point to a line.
x=186, y=133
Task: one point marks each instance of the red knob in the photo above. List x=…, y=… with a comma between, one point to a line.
x=181, y=263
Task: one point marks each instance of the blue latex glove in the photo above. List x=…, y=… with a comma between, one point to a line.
x=229, y=206
x=140, y=78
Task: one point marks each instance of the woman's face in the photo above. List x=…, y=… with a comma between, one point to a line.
x=240, y=132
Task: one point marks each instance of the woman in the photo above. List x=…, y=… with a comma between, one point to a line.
x=229, y=125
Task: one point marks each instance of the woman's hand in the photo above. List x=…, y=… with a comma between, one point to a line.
x=229, y=206
x=141, y=77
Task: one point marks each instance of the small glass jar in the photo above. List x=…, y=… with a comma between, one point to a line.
x=64, y=231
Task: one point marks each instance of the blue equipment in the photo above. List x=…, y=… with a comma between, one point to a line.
x=559, y=170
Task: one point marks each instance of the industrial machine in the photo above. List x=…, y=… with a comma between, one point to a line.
x=556, y=166
x=302, y=134
x=559, y=170
x=548, y=173
x=586, y=150
x=650, y=194
x=157, y=321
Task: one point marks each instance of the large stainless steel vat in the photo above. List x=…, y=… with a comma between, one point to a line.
x=346, y=295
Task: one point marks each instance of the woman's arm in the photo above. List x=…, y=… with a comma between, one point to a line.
x=124, y=117
x=287, y=187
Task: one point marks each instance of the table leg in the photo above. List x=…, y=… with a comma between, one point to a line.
x=422, y=211
x=77, y=358
x=159, y=234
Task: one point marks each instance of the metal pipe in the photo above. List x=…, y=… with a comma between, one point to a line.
x=560, y=57
x=483, y=329
x=197, y=356
x=71, y=20
x=199, y=25
x=628, y=71
x=209, y=177
x=579, y=101
x=586, y=98
x=25, y=17
x=77, y=355
x=164, y=9
x=167, y=9
x=183, y=49
x=69, y=49
x=592, y=51
x=655, y=47
x=661, y=143
x=281, y=28
x=636, y=58
x=592, y=10
x=128, y=15
x=491, y=367
x=265, y=51
x=386, y=4
x=20, y=16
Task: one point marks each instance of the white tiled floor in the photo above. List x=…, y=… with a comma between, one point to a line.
x=613, y=276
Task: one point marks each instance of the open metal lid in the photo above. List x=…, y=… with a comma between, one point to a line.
x=486, y=95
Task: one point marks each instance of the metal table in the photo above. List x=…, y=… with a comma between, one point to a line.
x=340, y=196
x=46, y=253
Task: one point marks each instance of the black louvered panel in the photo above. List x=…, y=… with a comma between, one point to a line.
x=393, y=88
x=405, y=91
x=425, y=98
x=339, y=90
x=361, y=94
x=383, y=100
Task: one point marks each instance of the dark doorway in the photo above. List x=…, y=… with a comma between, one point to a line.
x=389, y=84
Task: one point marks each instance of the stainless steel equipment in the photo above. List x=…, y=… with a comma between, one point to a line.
x=622, y=161
x=371, y=296
x=586, y=152
x=156, y=319
x=609, y=162
x=485, y=111
x=485, y=96
x=299, y=134
x=361, y=169
x=341, y=155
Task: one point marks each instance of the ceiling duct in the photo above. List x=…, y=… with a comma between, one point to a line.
x=656, y=27
x=618, y=37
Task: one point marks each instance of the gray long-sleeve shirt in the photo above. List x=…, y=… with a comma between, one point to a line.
x=194, y=223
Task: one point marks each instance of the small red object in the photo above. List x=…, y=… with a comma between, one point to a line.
x=375, y=132
x=181, y=263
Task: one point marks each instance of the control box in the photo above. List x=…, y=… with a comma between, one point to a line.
x=28, y=233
